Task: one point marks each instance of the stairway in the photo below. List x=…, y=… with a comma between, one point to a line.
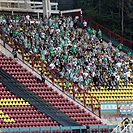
x=40, y=104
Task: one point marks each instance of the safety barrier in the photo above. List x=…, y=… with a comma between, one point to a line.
x=101, y=129
x=50, y=129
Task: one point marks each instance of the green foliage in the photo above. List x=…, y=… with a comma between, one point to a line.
x=109, y=14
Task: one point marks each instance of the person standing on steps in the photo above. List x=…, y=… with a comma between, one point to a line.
x=14, y=52
x=43, y=76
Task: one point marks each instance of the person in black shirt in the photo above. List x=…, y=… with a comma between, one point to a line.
x=96, y=81
x=75, y=24
x=14, y=52
x=113, y=79
x=42, y=76
x=110, y=86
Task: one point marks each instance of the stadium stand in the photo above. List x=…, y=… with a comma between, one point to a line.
x=21, y=113
x=39, y=88
x=52, y=38
x=60, y=45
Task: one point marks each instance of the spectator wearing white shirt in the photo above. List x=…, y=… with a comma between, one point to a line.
x=118, y=64
x=128, y=73
x=126, y=77
x=85, y=24
x=28, y=17
x=52, y=65
x=110, y=44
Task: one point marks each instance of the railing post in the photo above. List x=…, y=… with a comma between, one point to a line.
x=70, y=129
x=98, y=129
x=33, y=61
x=50, y=130
x=52, y=74
x=121, y=40
x=60, y=130
x=40, y=130
x=63, y=89
x=80, y=129
x=99, y=109
x=22, y=54
x=3, y=36
x=4, y=43
x=109, y=35
x=92, y=104
x=73, y=91
x=84, y=99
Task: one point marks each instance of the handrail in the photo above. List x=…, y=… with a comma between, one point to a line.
x=121, y=38
x=109, y=30
x=100, y=128
x=37, y=60
x=40, y=129
x=19, y=1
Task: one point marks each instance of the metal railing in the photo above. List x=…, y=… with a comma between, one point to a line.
x=78, y=129
x=41, y=129
x=26, y=6
x=101, y=129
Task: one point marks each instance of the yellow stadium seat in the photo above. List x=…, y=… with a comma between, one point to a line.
x=30, y=61
x=27, y=103
x=40, y=69
x=70, y=91
x=50, y=76
x=12, y=120
x=87, y=103
x=19, y=51
x=81, y=99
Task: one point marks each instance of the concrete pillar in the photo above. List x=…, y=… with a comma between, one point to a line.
x=49, y=7
x=45, y=8
x=38, y=16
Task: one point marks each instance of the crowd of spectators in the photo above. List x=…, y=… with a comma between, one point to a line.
x=79, y=54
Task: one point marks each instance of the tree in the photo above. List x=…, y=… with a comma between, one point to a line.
x=114, y=14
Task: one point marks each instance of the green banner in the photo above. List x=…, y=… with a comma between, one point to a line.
x=126, y=107
x=109, y=107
